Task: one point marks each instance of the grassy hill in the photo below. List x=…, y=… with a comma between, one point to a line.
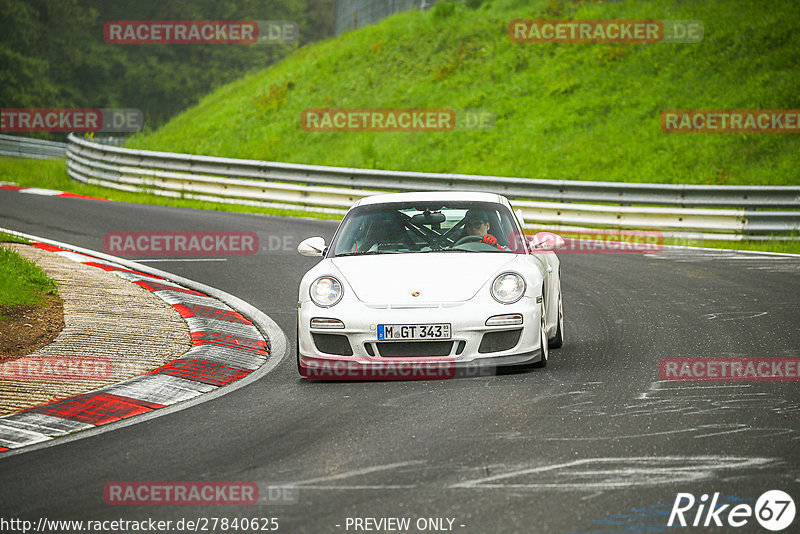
x=563, y=111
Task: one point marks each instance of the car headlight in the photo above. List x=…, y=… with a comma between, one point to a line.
x=508, y=288
x=326, y=291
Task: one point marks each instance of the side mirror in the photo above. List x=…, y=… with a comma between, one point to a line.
x=313, y=246
x=547, y=241
x=521, y=218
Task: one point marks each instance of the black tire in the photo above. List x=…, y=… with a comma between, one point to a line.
x=297, y=350
x=558, y=339
x=545, y=345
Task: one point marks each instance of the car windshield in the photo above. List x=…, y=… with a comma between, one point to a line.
x=420, y=227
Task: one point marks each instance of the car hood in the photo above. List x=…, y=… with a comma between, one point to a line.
x=437, y=277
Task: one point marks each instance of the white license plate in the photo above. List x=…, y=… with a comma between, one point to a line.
x=406, y=332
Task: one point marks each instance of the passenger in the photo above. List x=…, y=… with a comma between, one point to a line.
x=384, y=232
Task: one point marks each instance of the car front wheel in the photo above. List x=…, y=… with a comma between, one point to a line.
x=297, y=344
x=544, y=344
x=558, y=339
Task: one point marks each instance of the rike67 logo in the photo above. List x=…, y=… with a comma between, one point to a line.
x=774, y=510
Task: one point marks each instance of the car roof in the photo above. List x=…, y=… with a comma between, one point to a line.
x=423, y=196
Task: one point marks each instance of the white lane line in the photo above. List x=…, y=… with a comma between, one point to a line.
x=182, y=259
x=777, y=432
x=634, y=471
x=480, y=482
x=629, y=436
x=357, y=472
x=43, y=424
x=361, y=487
x=654, y=388
x=159, y=388
x=38, y=191
x=134, y=277
x=706, y=387
x=13, y=437
x=734, y=316
x=177, y=297
x=206, y=324
x=79, y=258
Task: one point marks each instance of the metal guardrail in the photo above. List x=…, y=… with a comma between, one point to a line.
x=27, y=147
x=558, y=204
x=352, y=14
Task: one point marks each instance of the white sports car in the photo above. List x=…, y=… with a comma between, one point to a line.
x=422, y=285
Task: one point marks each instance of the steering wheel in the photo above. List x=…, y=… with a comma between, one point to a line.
x=469, y=239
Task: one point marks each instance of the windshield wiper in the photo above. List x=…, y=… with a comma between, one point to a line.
x=448, y=250
x=464, y=250
x=367, y=253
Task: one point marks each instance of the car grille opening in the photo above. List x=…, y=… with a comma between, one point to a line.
x=399, y=349
x=336, y=344
x=499, y=341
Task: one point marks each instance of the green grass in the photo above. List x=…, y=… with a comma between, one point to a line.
x=47, y=174
x=22, y=283
x=786, y=247
x=8, y=238
x=564, y=111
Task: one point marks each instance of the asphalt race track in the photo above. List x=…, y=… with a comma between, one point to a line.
x=595, y=442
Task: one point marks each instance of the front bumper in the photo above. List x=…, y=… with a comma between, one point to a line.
x=468, y=353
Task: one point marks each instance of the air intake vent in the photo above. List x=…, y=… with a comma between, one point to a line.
x=499, y=341
x=336, y=344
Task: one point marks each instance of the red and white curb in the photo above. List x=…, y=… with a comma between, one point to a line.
x=44, y=192
x=226, y=347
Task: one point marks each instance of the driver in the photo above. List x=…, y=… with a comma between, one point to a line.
x=477, y=224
